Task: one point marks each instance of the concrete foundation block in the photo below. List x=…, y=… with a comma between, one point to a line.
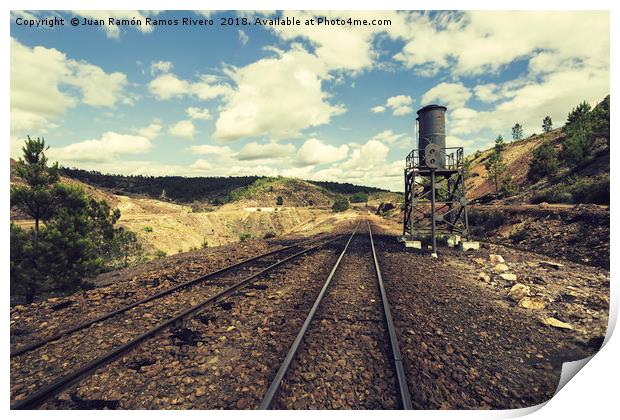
x=413, y=244
x=466, y=245
x=453, y=240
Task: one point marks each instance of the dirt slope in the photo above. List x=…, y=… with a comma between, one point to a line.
x=517, y=156
x=174, y=228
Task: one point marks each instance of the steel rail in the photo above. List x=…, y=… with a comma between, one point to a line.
x=38, y=397
x=277, y=381
x=398, y=360
x=59, y=335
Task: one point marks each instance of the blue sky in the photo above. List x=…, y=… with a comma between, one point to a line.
x=329, y=103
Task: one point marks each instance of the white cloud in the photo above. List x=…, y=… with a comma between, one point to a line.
x=39, y=80
x=151, y=131
x=108, y=148
x=453, y=95
x=98, y=87
x=378, y=109
x=160, y=67
x=553, y=94
x=354, y=50
x=315, y=152
x=277, y=97
x=487, y=92
x=400, y=105
x=399, y=101
x=368, y=155
x=202, y=165
x=113, y=31
x=184, y=129
x=243, y=37
x=388, y=136
x=367, y=165
x=480, y=42
x=198, y=113
x=403, y=110
x=256, y=151
x=168, y=86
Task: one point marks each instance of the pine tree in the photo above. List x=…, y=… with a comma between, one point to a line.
x=578, y=114
x=36, y=198
x=500, y=145
x=544, y=162
x=496, y=167
x=517, y=132
x=72, y=245
x=547, y=124
x=579, y=140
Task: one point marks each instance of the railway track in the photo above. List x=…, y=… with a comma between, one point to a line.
x=213, y=276
x=353, y=344
x=129, y=326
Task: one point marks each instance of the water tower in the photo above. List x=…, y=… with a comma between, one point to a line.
x=435, y=195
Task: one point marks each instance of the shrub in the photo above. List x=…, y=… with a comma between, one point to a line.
x=577, y=146
x=160, y=254
x=481, y=222
x=359, y=197
x=509, y=186
x=589, y=190
x=205, y=243
x=555, y=194
x=148, y=229
x=123, y=250
x=544, y=162
x=279, y=200
x=244, y=236
x=384, y=208
x=341, y=204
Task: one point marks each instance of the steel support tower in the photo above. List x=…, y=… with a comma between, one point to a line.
x=435, y=194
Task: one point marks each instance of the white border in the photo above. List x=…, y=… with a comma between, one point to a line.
x=592, y=395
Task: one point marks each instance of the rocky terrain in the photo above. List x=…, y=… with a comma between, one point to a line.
x=482, y=329
x=578, y=233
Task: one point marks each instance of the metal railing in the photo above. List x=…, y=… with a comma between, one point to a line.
x=453, y=158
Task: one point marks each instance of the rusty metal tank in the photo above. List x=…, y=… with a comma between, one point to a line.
x=432, y=130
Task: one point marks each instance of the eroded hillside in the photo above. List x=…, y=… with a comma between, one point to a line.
x=174, y=228
x=266, y=207
x=579, y=153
